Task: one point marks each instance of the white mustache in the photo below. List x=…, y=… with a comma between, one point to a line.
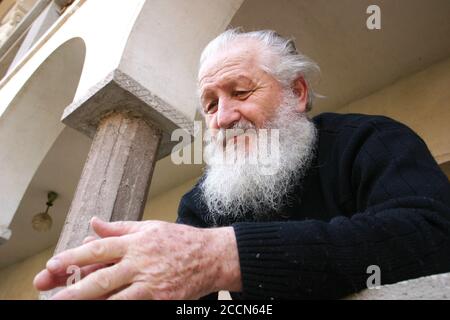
x=240, y=128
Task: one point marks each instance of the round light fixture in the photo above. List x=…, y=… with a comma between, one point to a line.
x=43, y=221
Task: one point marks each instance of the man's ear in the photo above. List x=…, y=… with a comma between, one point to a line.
x=301, y=91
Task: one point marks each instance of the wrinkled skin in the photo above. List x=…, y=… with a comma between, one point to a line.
x=145, y=260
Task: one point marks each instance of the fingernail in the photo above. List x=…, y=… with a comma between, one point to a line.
x=35, y=279
x=97, y=219
x=54, y=264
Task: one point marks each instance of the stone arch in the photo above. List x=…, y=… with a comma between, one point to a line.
x=31, y=123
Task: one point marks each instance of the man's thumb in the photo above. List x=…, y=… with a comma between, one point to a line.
x=114, y=229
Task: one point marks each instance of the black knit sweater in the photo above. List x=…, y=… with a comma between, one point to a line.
x=374, y=195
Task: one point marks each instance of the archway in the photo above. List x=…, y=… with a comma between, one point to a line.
x=31, y=124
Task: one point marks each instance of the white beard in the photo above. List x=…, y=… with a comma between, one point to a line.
x=232, y=190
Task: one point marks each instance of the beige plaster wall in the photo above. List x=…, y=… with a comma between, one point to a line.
x=421, y=101
x=16, y=280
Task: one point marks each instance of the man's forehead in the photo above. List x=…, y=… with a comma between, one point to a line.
x=244, y=54
x=226, y=61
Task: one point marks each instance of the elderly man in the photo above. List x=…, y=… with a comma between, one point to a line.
x=350, y=192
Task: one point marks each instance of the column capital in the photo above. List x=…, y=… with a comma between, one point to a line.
x=118, y=92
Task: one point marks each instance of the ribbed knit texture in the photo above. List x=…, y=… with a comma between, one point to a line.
x=374, y=195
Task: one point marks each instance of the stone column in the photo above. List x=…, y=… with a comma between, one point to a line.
x=116, y=177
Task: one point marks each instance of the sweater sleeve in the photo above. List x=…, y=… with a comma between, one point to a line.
x=400, y=223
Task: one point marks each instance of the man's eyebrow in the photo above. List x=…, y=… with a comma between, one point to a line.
x=226, y=81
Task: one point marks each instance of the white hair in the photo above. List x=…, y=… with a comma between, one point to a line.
x=289, y=66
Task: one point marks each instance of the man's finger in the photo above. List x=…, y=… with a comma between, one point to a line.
x=46, y=280
x=115, y=229
x=136, y=291
x=89, y=239
x=106, y=250
x=97, y=284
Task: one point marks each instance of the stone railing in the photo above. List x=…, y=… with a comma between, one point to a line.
x=435, y=287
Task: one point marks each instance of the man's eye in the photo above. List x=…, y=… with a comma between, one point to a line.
x=241, y=93
x=211, y=107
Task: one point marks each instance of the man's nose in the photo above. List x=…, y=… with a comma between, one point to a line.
x=227, y=115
